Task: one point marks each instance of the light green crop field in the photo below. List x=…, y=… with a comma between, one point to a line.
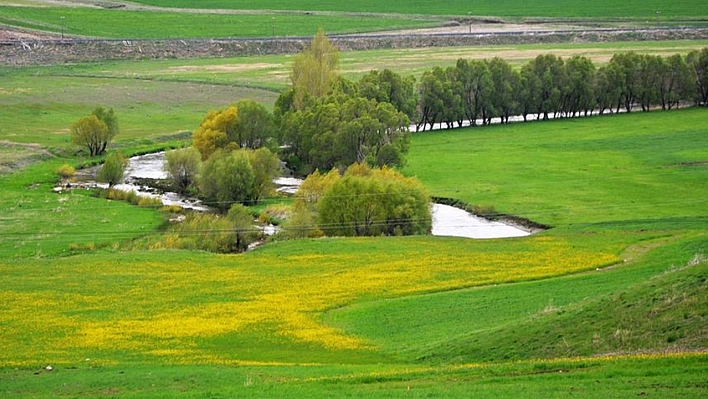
x=120, y=24
x=609, y=303
x=516, y=8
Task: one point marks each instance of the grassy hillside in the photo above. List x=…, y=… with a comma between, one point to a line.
x=516, y=8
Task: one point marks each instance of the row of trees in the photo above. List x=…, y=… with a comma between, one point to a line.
x=480, y=90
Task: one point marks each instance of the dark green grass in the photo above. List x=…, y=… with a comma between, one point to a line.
x=636, y=168
x=663, y=308
x=120, y=24
x=35, y=222
x=516, y=8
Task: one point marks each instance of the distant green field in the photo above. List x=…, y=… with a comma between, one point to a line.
x=120, y=24
x=515, y=8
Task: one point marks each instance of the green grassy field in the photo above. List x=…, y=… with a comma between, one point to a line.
x=373, y=317
x=609, y=303
x=120, y=24
x=515, y=8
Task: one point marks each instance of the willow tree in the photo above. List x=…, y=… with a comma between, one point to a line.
x=314, y=69
x=95, y=132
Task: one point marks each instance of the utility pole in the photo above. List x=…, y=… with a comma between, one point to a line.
x=62, y=27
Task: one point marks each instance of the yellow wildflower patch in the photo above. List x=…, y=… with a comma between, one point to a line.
x=173, y=305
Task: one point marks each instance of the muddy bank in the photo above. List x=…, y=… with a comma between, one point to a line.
x=46, y=52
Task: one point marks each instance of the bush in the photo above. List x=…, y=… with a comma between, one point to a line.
x=66, y=172
x=364, y=202
x=214, y=233
x=112, y=170
x=182, y=166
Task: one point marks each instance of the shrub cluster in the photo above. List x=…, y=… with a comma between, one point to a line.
x=363, y=202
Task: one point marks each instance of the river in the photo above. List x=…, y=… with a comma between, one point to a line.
x=447, y=220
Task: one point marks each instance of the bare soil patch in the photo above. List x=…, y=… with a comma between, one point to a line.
x=16, y=34
x=16, y=156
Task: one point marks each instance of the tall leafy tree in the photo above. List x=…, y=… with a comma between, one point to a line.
x=698, y=63
x=650, y=73
x=314, y=69
x=437, y=100
x=577, y=93
x=182, y=167
x=113, y=169
x=253, y=126
x=266, y=167
x=215, y=131
x=390, y=87
x=608, y=83
x=227, y=177
x=629, y=65
x=96, y=131
x=475, y=88
x=675, y=82
x=507, y=85
x=551, y=77
x=530, y=91
x=245, y=233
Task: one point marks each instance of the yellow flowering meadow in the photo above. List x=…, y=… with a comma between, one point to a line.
x=183, y=307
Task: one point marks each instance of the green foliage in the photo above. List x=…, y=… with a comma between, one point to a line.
x=109, y=118
x=314, y=69
x=390, y=87
x=254, y=126
x=66, y=172
x=182, y=166
x=113, y=168
x=244, y=231
x=247, y=124
x=96, y=131
x=227, y=177
x=266, y=167
x=550, y=86
x=698, y=63
x=339, y=130
x=372, y=202
x=243, y=176
x=91, y=133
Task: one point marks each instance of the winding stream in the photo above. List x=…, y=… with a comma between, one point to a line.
x=447, y=220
